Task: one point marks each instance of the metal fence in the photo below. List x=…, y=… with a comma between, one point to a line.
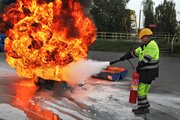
x=175, y=41
x=116, y=36
x=164, y=39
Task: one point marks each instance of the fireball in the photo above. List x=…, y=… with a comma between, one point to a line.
x=44, y=37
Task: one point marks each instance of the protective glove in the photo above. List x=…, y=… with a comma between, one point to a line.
x=126, y=56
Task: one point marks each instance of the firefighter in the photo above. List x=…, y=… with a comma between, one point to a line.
x=148, y=56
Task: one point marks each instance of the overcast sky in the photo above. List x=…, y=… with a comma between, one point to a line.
x=136, y=5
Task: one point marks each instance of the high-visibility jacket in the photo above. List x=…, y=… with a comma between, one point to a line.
x=148, y=55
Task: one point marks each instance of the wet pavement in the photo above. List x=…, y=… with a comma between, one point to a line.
x=97, y=100
x=168, y=80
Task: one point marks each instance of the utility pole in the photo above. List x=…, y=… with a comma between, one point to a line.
x=178, y=25
x=139, y=19
x=140, y=16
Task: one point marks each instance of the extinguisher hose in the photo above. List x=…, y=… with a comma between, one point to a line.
x=131, y=64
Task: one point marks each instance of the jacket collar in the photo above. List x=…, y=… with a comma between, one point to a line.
x=148, y=42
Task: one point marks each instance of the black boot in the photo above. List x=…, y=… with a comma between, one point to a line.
x=140, y=111
x=143, y=105
x=135, y=109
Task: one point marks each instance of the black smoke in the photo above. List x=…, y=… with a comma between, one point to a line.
x=86, y=5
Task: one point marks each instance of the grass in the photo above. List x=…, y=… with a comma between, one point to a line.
x=114, y=46
x=177, y=49
x=124, y=46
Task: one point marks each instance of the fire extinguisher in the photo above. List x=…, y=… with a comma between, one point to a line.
x=134, y=88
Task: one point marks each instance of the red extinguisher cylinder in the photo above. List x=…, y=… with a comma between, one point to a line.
x=134, y=88
x=133, y=97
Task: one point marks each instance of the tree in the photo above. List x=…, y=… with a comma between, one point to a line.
x=148, y=12
x=178, y=27
x=7, y=2
x=110, y=15
x=165, y=17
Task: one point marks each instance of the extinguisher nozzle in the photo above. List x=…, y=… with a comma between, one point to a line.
x=113, y=62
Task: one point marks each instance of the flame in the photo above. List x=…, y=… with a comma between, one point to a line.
x=46, y=36
x=23, y=99
x=24, y=92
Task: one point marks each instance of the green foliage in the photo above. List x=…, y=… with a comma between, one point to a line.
x=148, y=12
x=110, y=15
x=165, y=17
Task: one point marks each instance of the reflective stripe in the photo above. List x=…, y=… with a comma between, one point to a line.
x=142, y=97
x=150, y=62
x=133, y=54
x=148, y=57
x=145, y=60
x=154, y=61
x=144, y=106
x=150, y=67
x=142, y=101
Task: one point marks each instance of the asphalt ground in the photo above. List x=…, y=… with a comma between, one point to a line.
x=106, y=101
x=169, y=69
